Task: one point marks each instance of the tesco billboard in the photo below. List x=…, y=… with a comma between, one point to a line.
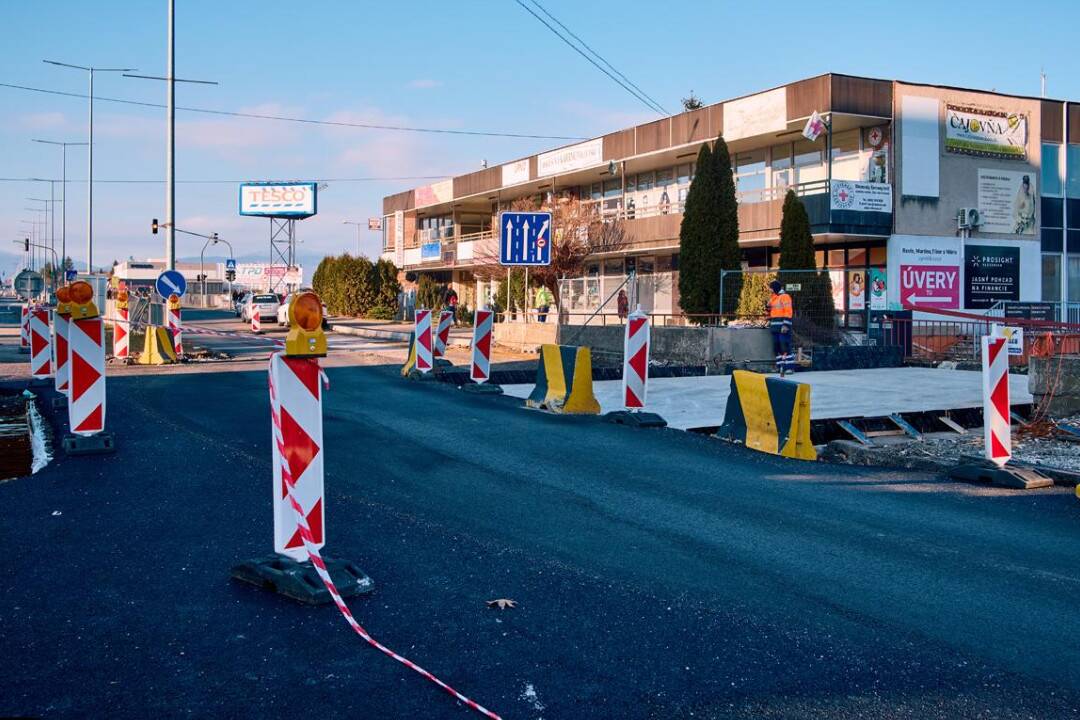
x=286, y=200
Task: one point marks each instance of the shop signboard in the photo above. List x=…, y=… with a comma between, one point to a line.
x=927, y=271
x=861, y=196
x=986, y=133
x=992, y=274
x=1030, y=311
x=440, y=192
x=399, y=238
x=279, y=200
x=515, y=173
x=430, y=251
x=1006, y=202
x=567, y=159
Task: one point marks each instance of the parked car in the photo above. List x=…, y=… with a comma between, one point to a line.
x=266, y=302
x=283, y=311
x=238, y=306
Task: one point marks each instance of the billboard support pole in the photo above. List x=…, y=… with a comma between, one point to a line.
x=282, y=248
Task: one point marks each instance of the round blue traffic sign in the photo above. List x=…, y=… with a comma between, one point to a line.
x=171, y=282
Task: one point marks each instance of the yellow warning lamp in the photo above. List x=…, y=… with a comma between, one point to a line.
x=306, y=337
x=63, y=300
x=174, y=302
x=82, y=300
x=122, y=299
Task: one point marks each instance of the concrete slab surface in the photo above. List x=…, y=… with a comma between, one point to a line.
x=693, y=402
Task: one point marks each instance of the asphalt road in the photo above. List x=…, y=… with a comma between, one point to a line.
x=658, y=574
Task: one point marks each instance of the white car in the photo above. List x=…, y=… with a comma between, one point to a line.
x=266, y=302
x=283, y=311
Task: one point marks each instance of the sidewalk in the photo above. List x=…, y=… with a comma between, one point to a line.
x=388, y=330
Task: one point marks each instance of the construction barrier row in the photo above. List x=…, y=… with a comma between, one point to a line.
x=769, y=414
x=159, y=346
x=564, y=381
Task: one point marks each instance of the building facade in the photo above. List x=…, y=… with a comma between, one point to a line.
x=918, y=196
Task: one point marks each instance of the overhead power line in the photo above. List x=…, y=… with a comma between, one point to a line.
x=655, y=105
x=306, y=121
x=234, y=182
x=644, y=99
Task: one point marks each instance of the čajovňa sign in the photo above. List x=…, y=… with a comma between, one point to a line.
x=986, y=133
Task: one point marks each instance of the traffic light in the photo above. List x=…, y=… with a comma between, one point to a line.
x=153, y=226
x=230, y=275
x=26, y=245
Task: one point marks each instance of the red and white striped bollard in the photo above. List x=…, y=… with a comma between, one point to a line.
x=997, y=423
x=40, y=343
x=174, y=324
x=24, y=327
x=256, y=321
x=122, y=328
x=424, y=358
x=480, y=371
x=86, y=362
x=636, y=360
x=442, y=336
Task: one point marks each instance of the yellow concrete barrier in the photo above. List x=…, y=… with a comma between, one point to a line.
x=157, y=347
x=564, y=381
x=769, y=414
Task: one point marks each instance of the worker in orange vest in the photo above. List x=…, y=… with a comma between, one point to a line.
x=780, y=315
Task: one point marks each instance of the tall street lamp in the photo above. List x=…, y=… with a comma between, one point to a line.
x=50, y=208
x=90, y=162
x=63, y=195
x=358, y=225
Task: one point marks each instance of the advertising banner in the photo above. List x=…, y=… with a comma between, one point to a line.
x=1006, y=202
x=756, y=114
x=1014, y=336
x=986, y=133
x=568, y=159
x=878, y=288
x=856, y=290
x=431, y=250
x=861, y=196
x=515, y=173
x=434, y=194
x=290, y=200
x=928, y=271
x=992, y=274
x=399, y=238
x=260, y=276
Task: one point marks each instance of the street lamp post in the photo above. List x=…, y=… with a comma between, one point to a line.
x=63, y=196
x=350, y=222
x=90, y=160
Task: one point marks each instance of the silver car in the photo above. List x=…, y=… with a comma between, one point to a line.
x=267, y=304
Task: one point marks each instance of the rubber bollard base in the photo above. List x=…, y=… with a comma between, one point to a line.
x=1017, y=478
x=482, y=388
x=40, y=382
x=635, y=419
x=299, y=581
x=442, y=363
x=102, y=443
x=59, y=403
x=415, y=374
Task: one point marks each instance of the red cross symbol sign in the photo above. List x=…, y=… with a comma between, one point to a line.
x=843, y=195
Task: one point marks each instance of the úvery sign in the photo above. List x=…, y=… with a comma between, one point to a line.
x=930, y=286
x=295, y=200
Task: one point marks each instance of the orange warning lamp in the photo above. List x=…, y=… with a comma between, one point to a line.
x=63, y=300
x=122, y=298
x=174, y=301
x=82, y=300
x=306, y=337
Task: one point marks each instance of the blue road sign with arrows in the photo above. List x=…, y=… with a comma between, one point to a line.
x=71, y=274
x=525, y=238
x=171, y=282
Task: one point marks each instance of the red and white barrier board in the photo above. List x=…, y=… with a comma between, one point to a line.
x=256, y=321
x=442, y=336
x=424, y=360
x=121, y=332
x=480, y=371
x=24, y=326
x=636, y=360
x=40, y=343
x=296, y=410
x=61, y=323
x=997, y=429
x=175, y=325
x=86, y=363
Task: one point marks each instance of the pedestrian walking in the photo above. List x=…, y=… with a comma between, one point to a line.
x=623, y=304
x=781, y=313
x=544, y=301
x=452, y=303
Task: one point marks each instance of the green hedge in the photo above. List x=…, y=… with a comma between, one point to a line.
x=356, y=287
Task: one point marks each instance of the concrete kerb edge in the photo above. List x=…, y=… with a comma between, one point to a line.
x=370, y=332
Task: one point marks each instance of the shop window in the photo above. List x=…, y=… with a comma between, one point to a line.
x=808, y=162
x=750, y=171
x=613, y=268
x=665, y=177
x=1074, y=278
x=1072, y=186
x=1051, y=278
x=781, y=166
x=1051, y=170
x=878, y=256
x=819, y=259
x=612, y=189
x=683, y=174
x=645, y=181
x=856, y=257
x=836, y=258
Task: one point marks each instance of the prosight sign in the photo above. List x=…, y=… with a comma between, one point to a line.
x=281, y=200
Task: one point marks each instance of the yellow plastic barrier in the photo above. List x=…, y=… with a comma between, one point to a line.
x=410, y=362
x=157, y=347
x=564, y=381
x=769, y=414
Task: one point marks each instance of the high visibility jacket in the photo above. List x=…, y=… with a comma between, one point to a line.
x=780, y=306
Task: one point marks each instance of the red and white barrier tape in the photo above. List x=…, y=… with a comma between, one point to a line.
x=320, y=568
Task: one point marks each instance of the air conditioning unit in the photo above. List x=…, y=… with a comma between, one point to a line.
x=967, y=219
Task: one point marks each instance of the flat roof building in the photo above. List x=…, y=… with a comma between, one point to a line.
x=929, y=195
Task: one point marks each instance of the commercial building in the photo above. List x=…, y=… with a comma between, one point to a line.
x=923, y=195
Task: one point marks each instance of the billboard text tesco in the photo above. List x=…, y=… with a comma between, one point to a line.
x=278, y=199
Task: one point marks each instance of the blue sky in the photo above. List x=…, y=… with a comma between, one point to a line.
x=479, y=65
